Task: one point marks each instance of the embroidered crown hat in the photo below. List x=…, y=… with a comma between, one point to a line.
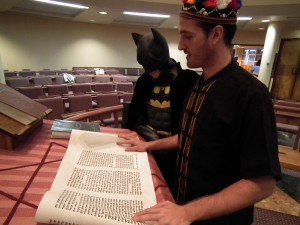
x=212, y=11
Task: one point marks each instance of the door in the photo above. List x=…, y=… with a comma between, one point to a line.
x=287, y=73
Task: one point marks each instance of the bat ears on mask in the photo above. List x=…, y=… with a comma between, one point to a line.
x=136, y=37
x=156, y=35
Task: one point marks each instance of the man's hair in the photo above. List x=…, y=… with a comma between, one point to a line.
x=229, y=30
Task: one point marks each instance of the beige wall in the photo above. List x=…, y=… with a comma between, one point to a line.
x=38, y=42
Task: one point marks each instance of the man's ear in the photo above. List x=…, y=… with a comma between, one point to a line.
x=217, y=34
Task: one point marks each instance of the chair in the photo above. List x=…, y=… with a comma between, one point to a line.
x=80, y=103
x=118, y=78
x=106, y=100
x=126, y=97
x=132, y=72
x=125, y=86
x=26, y=73
x=47, y=72
x=292, y=129
x=101, y=79
x=10, y=74
x=104, y=87
x=287, y=103
x=42, y=80
x=32, y=92
x=112, y=71
x=81, y=88
x=57, y=89
x=81, y=71
x=84, y=78
x=54, y=103
x=64, y=71
x=16, y=82
x=58, y=79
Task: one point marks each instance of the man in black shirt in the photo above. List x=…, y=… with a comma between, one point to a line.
x=227, y=143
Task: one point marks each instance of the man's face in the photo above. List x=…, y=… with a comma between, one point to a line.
x=194, y=43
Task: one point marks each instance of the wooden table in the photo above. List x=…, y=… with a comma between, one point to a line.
x=28, y=172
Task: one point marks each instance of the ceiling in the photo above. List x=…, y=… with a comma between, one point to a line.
x=282, y=11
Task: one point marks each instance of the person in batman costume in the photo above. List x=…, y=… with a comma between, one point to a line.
x=155, y=108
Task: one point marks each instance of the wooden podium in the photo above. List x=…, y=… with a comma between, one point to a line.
x=19, y=116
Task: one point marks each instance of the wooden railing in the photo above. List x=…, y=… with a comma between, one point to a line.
x=95, y=115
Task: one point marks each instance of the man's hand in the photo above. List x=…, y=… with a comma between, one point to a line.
x=165, y=213
x=134, y=143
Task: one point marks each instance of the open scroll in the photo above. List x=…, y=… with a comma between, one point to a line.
x=97, y=183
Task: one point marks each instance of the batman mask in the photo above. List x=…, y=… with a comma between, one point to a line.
x=152, y=51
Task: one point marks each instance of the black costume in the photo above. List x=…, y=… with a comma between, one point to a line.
x=179, y=89
x=156, y=104
x=228, y=133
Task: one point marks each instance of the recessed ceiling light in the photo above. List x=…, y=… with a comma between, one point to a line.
x=103, y=13
x=63, y=4
x=92, y=20
x=265, y=21
x=146, y=14
x=244, y=18
x=261, y=28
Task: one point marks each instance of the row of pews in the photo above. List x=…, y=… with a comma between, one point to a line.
x=288, y=120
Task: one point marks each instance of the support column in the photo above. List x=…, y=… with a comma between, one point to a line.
x=2, y=78
x=271, y=47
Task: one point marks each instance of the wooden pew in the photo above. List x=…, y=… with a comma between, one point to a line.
x=289, y=159
x=288, y=120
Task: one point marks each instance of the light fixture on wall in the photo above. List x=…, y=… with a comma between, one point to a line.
x=146, y=14
x=63, y=4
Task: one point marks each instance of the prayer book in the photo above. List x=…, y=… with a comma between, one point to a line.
x=63, y=128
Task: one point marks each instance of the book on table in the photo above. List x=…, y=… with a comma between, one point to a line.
x=63, y=128
x=98, y=183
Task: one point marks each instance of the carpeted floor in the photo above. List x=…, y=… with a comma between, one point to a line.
x=290, y=185
x=290, y=182
x=269, y=217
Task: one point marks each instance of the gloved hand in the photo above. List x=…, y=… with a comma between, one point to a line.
x=146, y=133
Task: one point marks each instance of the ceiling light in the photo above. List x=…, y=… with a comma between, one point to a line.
x=62, y=4
x=146, y=14
x=244, y=18
x=265, y=21
x=103, y=13
x=261, y=28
